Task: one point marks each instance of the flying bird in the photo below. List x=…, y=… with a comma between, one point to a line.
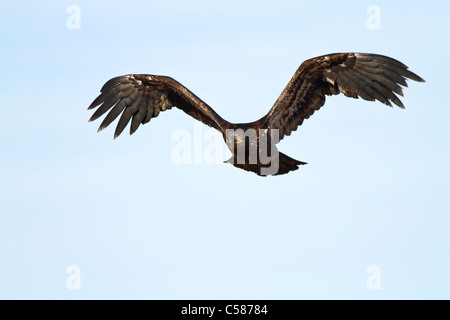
x=141, y=97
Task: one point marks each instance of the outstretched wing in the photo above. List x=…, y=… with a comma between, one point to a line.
x=140, y=97
x=369, y=76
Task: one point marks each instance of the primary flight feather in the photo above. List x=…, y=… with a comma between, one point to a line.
x=140, y=97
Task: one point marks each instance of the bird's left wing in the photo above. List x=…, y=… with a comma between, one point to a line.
x=369, y=76
x=141, y=97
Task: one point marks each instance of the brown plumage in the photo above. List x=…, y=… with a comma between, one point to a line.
x=140, y=98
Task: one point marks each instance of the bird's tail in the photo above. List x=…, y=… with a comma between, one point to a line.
x=287, y=164
x=279, y=165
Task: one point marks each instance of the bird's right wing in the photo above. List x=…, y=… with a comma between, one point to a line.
x=140, y=97
x=369, y=76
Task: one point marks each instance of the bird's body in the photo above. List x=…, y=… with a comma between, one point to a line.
x=140, y=98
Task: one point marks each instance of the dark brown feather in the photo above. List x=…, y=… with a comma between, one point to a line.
x=142, y=97
x=369, y=76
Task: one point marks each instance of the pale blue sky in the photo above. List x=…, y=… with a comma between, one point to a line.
x=375, y=190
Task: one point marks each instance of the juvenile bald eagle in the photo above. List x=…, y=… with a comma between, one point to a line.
x=141, y=97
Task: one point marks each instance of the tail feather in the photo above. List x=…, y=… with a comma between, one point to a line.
x=287, y=164
x=278, y=166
